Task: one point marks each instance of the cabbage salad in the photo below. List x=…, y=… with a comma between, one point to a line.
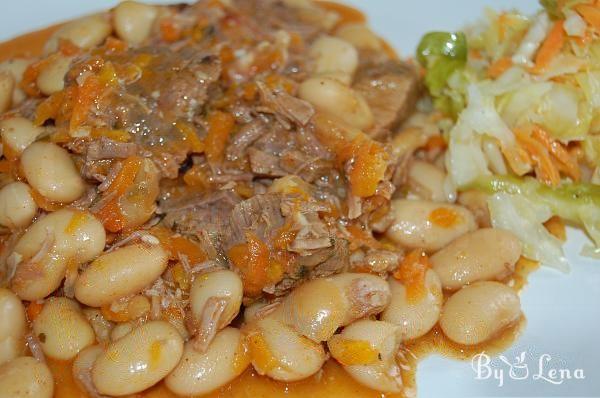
x=523, y=97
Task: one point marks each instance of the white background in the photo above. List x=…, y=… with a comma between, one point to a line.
x=563, y=311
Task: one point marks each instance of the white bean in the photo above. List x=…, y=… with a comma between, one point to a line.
x=12, y=326
x=427, y=225
x=138, y=360
x=476, y=202
x=337, y=100
x=335, y=58
x=367, y=349
x=52, y=77
x=62, y=329
x=7, y=86
x=427, y=181
x=215, y=299
x=49, y=245
x=85, y=33
x=17, y=207
x=133, y=21
x=16, y=67
x=317, y=308
x=198, y=374
x=480, y=311
x=18, y=133
x=278, y=351
x=414, y=316
x=360, y=36
x=485, y=254
x=50, y=170
x=26, y=377
x=120, y=273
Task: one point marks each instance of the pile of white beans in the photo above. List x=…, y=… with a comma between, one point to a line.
x=286, y=340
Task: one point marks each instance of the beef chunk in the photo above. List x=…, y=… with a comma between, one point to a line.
x=391, y=90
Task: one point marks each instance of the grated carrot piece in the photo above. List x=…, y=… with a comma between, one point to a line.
x=569, y=163
x=33, y=310
x=590, y=13
x=545, y=169
x=556, y=226
x=550, y=47
x=498, y=67
x=220, y=126
x=411, y=273
x=444, y=217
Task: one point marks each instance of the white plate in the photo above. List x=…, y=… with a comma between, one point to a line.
x=563, y=311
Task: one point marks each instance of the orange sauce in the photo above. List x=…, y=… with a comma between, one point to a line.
x=27, y=45
x=332, y=380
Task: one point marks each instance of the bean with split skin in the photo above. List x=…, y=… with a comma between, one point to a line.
x=50, y=170
x=426, y=181
x=82, y=368
x=335, y=58
x=338, y=100
x=18, y=133
x=17, y=206
x=62, y=329
x=26, y=377
x=85, y=33
x=49, y=245
x=200, y=373
x=138, y=360
x=480, y=311
x=120, y=273
x=367, y=350
x=317, y=308
x=12, y=327
x=485, y=254
x=133, y=21
x=211, y=293
x=414, y=316
x=427, y=225
x=280, y=352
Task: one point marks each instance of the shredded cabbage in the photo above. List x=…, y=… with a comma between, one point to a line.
x=524, y=96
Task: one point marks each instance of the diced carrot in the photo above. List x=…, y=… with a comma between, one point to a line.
x=545, y=169
x=567, y=162
x=556, y=226
x=550, y=47
x=190, y=136
x=169, y=31
x=361, y=237
x=412, y=272
x=252, y=259
x=590, y=13
x=115, y=135
x=435, y=142
x=44, y=203
x=87, y=94
x=220, y=126
x=67, y=48
x=110, y=214
x=350, y=352
x=28, y=82
x=368, y=169
x=498, y=67
x=444, y=217
x=33, y=310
